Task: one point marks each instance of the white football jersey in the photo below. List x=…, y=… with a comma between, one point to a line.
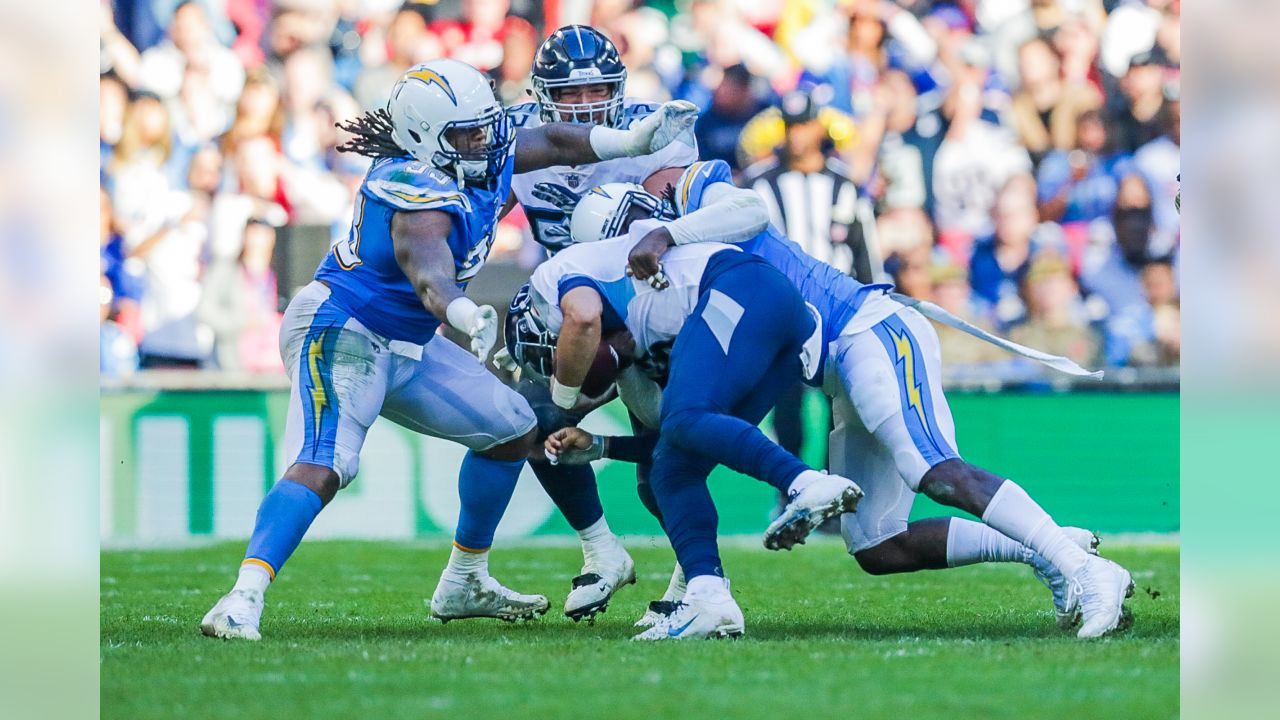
x=653, y=317
x=550, y=226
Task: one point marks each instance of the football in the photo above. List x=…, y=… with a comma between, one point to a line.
x=604, y=370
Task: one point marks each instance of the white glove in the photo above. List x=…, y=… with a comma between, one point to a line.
x=479, y=322
x=503, y=361
x=649, y=135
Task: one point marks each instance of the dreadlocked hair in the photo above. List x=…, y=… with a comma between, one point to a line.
x=372, y=136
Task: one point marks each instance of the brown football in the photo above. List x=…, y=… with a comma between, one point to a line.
x=604, y=370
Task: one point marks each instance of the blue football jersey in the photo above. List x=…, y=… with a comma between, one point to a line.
x=362, y=271
x=836, y=295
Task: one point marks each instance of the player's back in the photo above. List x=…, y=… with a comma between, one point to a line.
x=362, y=272
x=836, y=295
x=549, y=224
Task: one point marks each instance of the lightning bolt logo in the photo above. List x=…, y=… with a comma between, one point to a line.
x=600, y=191
x=431, y=77
x=319, y=399
x=907, y=357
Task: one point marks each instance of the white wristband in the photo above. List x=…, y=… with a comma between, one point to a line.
x=564, y=396
x=608, y=143
x=460, y=314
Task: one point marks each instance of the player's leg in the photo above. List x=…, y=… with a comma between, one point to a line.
x=918, y=428
x=676, y=587
x=448, y=394
x=679, y=481
x=746, y=332
x=606, y=565
x=339, y=380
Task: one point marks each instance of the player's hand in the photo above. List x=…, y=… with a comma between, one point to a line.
x=573, y=446
x=644, y=261
x=564, y=199
x=668, y=122
x=483, y=331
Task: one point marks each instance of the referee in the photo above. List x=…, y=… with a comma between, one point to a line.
x=814, y=202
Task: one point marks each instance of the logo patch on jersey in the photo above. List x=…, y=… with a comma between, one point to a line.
x=431, y=77
x=573, y=180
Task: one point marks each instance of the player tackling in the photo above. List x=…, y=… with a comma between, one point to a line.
x=359, y=341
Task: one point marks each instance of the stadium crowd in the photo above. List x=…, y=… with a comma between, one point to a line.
x=1015, y=161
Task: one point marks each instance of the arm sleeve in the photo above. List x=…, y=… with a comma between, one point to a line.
x=712, y=209
x=632, y=448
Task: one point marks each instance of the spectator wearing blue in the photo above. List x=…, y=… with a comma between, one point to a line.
x=734, y=102
x=1078, y=187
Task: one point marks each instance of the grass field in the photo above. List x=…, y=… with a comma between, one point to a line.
x=346, y=635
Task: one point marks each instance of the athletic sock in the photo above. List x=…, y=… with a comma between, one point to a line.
x=573, y=489
x=253, y=578
x=970, y=542
x=1014, y=513
x=283, y=518
x=484, y=487
x=463, y=563
x=597, y=538
x=676, y=587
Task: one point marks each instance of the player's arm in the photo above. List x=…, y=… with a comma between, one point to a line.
x=421, y=243
x=575, y=446
x=571, y=144
x=576, y=346
x=728, y=214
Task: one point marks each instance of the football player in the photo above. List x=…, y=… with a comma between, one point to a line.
x=894, y=433
x=359, y=341
x=578, y=77
x=754, y=334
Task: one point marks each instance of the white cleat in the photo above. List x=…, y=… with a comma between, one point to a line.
x=1068, y=616
x=602, y=575
x=236, y=616
x=1100, y=589
x=813, y=498
x=697, y=619
x=476, y=596
x=658, y=611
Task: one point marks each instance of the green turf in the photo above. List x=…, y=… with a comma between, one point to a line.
x=346, y=636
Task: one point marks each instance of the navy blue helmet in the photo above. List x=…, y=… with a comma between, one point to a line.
x=531, y=344
x=577, y=55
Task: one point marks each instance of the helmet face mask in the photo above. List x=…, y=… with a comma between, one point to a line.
x=478, y=148
x=528, y=340
x=572, y=57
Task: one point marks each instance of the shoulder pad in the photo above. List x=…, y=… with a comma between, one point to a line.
x=413, y=185
x=525, y=114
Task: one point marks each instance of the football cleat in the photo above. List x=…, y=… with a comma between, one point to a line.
x=819, y=497
x=235, y=616
x=602, y=576
x=697, y=619
x=476, y=596
x=658, y=611
x=1052, y=578
x=1100, y=589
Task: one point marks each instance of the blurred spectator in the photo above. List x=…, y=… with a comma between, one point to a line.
x=910, y=269
x=952, y=292
x=141, y=171
x=1160, y=287
x=113, y=99
x=476, y=39
x=733, y=103
x=511, y=76
x=766, y=132
x=1055, y=321
x=192, y=49
x=259, y=193
x=408, y=42
x=1079, y=187
x=1159, y=161
x=1001, y=260
x=259, y=112
x=1136, y=115
x=117, y=352
x=1045, y=108
x=126, y=288
x=910, y=144
x=241, y=305
x=975, y=160
x=810, y=195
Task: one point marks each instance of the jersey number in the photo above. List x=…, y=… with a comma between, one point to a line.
x=347, y=251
